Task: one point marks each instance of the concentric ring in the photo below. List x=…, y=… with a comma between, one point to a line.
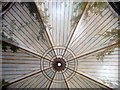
x=61, y=60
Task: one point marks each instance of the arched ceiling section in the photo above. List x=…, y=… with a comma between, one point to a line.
x=24, y=29
x=90, y=32
x=58, y=19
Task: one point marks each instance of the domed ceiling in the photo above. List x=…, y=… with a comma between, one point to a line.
x=59, y=44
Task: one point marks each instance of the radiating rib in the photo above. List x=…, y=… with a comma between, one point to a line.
x=25, y=76
x=88, y=41
x=65, y=80
x=26, y=49
x=52, y=79
x=100, y=84
x=45, y=29
x=100, y=40
x=33, y=30
x=77, y=38
x=74, y=29
x=25, y=10
x=29, y=39
x=12, y=13
x=94, y=51
x=18, y=36
x=41, y=46
x=91, y=36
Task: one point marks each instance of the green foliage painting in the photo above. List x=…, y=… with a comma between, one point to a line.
x=35, y=13
x=114, y=36
x=6, y=46
x=4, y=82
x=97, y=8
x=93, y=7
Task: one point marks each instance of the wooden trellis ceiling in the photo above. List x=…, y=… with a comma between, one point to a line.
x=78, y=44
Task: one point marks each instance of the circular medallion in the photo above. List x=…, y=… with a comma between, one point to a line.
x=59, y=64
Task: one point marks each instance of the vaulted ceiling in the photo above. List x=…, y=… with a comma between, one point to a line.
x=85, y=37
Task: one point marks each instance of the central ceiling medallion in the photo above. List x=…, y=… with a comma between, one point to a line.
x=59, y=64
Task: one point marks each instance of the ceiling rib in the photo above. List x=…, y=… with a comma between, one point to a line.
x=93, y=32
x=26, y=76
x=52, y=80
x=16, y=30
x=101, y=40
x=90, y=78
x=14, y=34
x=89, y=24
x=25, y=28
x=65, y=80
x=8, y=8
x=62, y=56
x=25, y=49
x=94, y=51
x=113, y=6
x=74, y=30
x=33, y=30
x=5, y=5
x=45, y=30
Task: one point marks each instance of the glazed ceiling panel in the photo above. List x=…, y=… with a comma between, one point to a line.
x=23, y=28
x=58, y=19
x=105, y=69
x=60, y=45
x=36, y=81
x=91, y=31
x=59, y=81
x=77, y=81
x=18, y=64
